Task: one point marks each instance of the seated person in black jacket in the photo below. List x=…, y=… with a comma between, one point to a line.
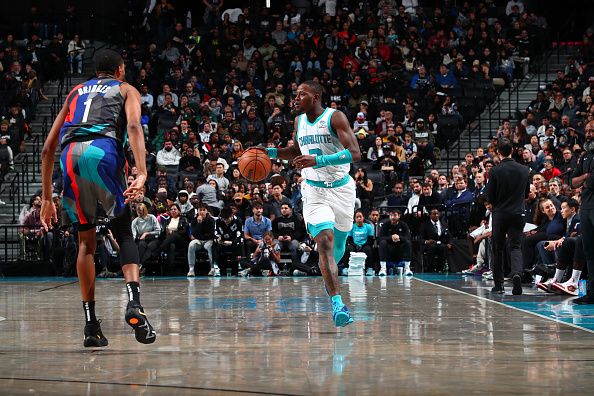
x=228, y=240
x=174, y=234
x=398, y=197
x=289, y=230
x=202, y=229
x=428, y=200
x=435, y=240
x=395, y=243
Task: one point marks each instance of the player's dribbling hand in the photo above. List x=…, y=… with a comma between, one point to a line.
x=48, y=215
x=134, y=188
x=304, y=161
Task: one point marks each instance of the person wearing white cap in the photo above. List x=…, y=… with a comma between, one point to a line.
x=361, y=123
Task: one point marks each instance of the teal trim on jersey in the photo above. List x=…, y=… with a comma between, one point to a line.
x=92, y=156
x=338, y=183
x=329, y=121
x=93, y=129
x=341, y=158
x=315, y=229
x=317, y=119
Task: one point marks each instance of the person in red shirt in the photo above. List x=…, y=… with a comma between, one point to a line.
x=550, y=170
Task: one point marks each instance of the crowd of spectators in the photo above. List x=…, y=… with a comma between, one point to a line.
x=226, y=82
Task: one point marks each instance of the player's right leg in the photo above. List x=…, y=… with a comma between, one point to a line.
x=85, y=267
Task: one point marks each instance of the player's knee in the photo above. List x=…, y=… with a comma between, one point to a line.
x=325, y=243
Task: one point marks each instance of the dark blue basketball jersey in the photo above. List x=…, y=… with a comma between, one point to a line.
x=95, y=110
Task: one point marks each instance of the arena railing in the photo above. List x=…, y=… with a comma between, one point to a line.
x=21, y=250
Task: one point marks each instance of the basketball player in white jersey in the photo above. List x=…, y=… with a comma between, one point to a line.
x=325, y=145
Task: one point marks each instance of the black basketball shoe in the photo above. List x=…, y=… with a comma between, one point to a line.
x=136, y=318
x=93, y=335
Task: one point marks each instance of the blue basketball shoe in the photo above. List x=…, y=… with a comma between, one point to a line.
x=341, y=315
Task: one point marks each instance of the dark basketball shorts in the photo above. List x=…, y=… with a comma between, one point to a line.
x=94, y=175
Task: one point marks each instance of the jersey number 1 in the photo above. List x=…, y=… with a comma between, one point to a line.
x=87, y=108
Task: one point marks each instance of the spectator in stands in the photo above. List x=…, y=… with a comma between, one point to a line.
x=276, y=201
x=228, y=240
x=174, y=234
x=266, y=257
x=145, y=231
x=435, y=240
x=183, y=201
x=255, y=227
x=208, y=195
x=309, y=258
x=219, y=177
x=550, y=227
x=289, y=230
x=445, y=78
x=76, y=50
x=202, y=235
x=169, y=157
x=398, y=197
x=364, y=188
x=550, y=170
x=6, y=160
x=361, y=239
x=395, y=243
x=428, y=200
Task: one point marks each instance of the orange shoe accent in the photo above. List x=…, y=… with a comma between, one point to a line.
x=133, y=321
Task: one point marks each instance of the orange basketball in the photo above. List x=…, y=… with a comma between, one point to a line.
x=254, y=164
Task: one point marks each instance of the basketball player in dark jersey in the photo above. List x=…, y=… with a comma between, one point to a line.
x=97, y=119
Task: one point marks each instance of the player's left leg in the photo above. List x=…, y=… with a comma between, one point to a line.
x=135, y=316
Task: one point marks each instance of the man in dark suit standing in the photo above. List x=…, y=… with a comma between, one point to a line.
x=583, y=176
x=508, y=187
x=435, y=239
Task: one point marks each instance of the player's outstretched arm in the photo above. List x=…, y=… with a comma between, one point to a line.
x=136, y=138
x=351, y=153
x=48, y=209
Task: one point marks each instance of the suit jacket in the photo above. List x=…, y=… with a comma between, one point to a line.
x=508, y=187
x=574, y=226
x=428, y=232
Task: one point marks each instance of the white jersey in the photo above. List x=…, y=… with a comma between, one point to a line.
x=318, y=138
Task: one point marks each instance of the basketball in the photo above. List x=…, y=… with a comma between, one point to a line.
x=254, y=164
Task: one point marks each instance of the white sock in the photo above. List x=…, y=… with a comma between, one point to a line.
x=407, y=265
x=191, y=268
x=575, y=276
x=558, y=274
x=382, y=266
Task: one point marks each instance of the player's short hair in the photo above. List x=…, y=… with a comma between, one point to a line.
x=315, y=86
x=107, y=61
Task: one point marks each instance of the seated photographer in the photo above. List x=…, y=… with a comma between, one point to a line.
x=145, y=231
x=32, y=234
x=308, y=263
x=107, y=252
x=266, y=257
x=174, y=234
x=289, y=230
x=228, y=239
x=202, y=229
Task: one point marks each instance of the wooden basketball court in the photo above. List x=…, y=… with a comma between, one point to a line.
x=426, y=335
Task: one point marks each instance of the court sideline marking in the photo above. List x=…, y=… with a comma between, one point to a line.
x=506, y=305
x=149, y=386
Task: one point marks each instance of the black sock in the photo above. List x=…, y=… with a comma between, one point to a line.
x=133, y=291
x=89, y=307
